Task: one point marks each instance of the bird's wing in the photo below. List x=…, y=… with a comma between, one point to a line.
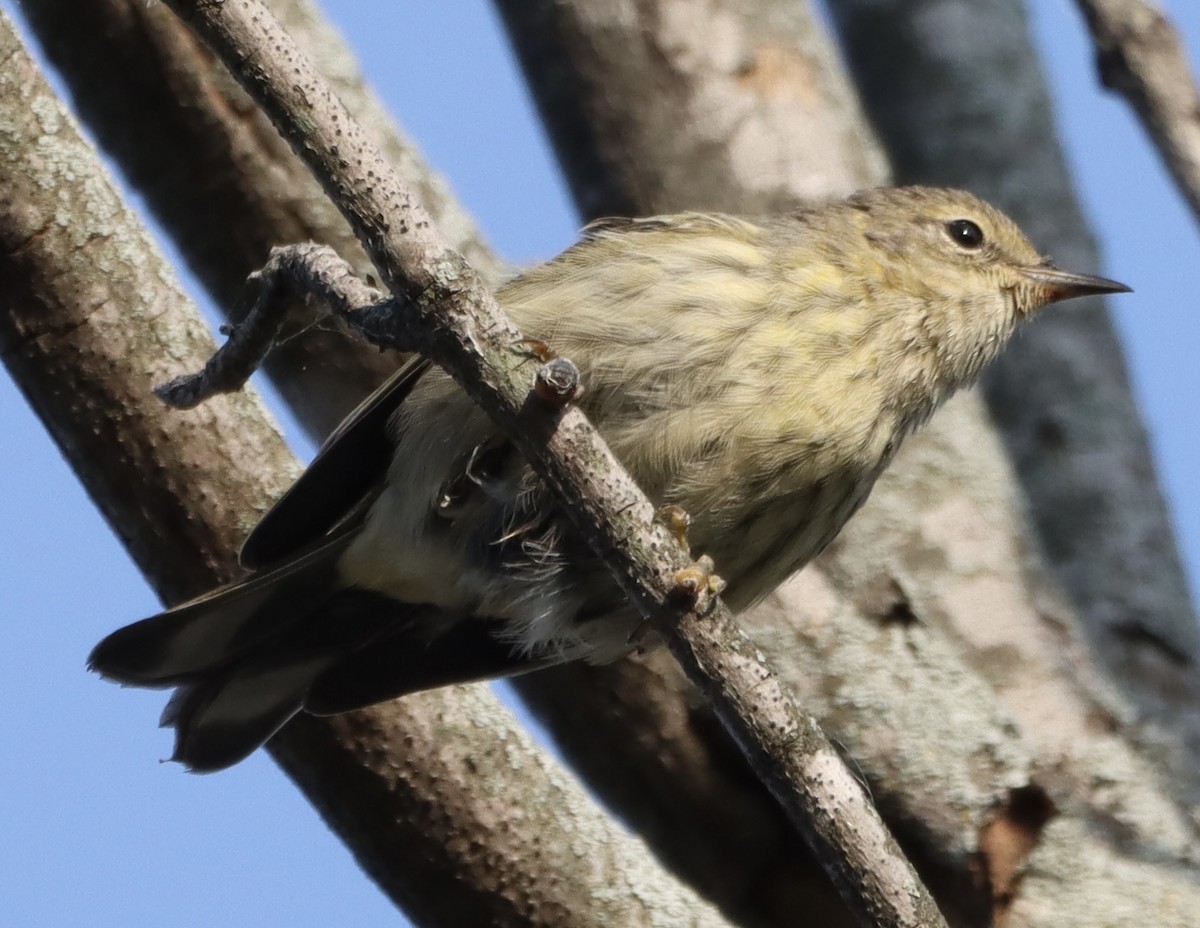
x=221, y=626
x=407, y=660
x=350, y=465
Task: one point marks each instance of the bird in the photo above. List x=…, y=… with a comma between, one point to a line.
x=757, y=373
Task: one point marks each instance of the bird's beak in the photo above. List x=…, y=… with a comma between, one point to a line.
x=1053, y=284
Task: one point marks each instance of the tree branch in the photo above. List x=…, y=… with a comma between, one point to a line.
x=473, y=342
x=293, y=272
x=92, y=318
x=223, y=183
x=1140, y=56
x=934, y=617
x=931, y=77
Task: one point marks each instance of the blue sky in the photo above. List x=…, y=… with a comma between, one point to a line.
x=97, y=832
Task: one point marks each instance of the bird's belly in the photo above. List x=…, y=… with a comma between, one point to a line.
x=773, y=539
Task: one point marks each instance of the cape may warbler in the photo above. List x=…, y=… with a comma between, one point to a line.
x=759, y=373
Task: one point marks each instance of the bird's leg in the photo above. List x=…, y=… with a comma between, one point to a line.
x=696, y=586
x=485, y=464
x=535, y=348
x=678, y=521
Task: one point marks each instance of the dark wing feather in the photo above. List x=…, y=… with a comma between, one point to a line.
x=402, y=662
x=351, y=463
x=221, y=626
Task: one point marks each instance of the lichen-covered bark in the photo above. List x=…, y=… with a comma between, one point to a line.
x=446, y=803
x=931, y=640
x=219, y=178
x=947, y=611
x=1060, y=396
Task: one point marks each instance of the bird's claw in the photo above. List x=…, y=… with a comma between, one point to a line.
x=698, y=586
x=535, y=348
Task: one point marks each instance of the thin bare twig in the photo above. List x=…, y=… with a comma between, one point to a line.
x=307, y=270
x=319, y=274
x=469, y=336
x=221, y=183
x=1140, y=55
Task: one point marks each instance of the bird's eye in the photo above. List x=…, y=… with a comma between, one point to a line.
x=965, y=233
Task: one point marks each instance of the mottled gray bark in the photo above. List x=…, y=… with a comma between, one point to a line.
x=928, y=73
x=943, y=622
x=219, y=178
x=92, y=318
x=932, y=639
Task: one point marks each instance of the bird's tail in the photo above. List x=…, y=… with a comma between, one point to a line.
x=247, y=657
x=222, y=718
x=242, y=657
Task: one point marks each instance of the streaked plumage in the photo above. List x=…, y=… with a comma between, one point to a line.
x=758, y=373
